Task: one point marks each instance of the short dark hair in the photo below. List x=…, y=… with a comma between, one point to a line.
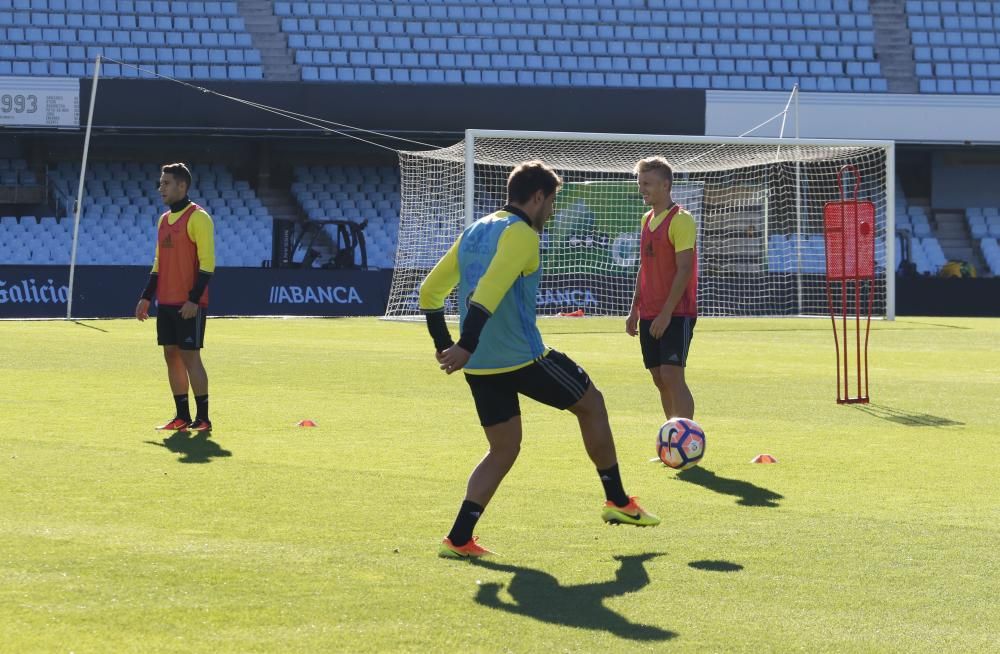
x=659, y=164
x=179, y=171
x=529, y=177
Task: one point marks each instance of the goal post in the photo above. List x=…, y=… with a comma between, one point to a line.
x=757, y=202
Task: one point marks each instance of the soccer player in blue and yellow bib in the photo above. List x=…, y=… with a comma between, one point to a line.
x=183, y=265
x=496, y=265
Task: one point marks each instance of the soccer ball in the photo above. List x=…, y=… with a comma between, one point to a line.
x=680, y=443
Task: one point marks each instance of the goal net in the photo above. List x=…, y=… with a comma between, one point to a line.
x=757, y=202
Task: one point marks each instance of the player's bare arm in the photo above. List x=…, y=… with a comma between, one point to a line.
x=632, y=321
x=189, y=310
x=142, y=309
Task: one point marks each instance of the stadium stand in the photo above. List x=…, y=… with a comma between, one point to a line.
x=121, y=205
x=991, y=253
x=913, y=225
x=956, y=45
x=824, y=45
x=984, y=226
x=358, y=194
x=14, y=172
x=203, y=40
x=118, y=223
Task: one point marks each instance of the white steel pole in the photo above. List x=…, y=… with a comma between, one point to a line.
x=798, y=200
x=470, y=176
x=79, y=191
x=890, y=233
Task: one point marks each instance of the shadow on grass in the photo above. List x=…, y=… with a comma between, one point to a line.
x=716, y=566
x=748, y=494
x=905, y=417
x=539, y=595
x=83, y=324
x=195, y=449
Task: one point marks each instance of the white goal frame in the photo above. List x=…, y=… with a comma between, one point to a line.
x=401, y=300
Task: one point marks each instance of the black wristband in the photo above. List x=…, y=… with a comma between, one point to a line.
x=147, y=293
x=438, y=329
x=472, y=327
x=200, y=285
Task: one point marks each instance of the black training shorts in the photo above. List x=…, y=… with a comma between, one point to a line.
x=555, y=380
x=671, y=349
x=171, y=329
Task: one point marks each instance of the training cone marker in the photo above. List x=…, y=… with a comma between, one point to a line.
x=306, y=423
x=764, y=458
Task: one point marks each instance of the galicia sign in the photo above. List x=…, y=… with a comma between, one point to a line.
x=30, y=291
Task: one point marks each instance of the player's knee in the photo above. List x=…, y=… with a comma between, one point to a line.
x=505, y=438
x=591, y=405
x=508, y=449
x=671, y=377
x=657, y=378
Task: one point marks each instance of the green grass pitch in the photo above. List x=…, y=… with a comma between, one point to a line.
x=876, y=531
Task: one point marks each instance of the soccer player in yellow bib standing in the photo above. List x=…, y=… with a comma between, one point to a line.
x=665, y=305
x=497, y=266
x=182, y=268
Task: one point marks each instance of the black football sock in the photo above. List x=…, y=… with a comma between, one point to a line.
x=611, y=479
x=183, y=410
x=201, y=407
x=465, y=523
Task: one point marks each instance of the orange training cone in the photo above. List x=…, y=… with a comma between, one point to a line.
x=572, y=314
x=764, y=458
x=306, y=423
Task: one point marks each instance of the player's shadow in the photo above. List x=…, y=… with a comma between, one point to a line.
x=539, y=595
x=195, y=449
x=905, y=417
x=748, y=494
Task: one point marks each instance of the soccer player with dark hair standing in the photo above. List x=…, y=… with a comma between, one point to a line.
x=183, y=265
x=496, y=264
x=664, y=306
